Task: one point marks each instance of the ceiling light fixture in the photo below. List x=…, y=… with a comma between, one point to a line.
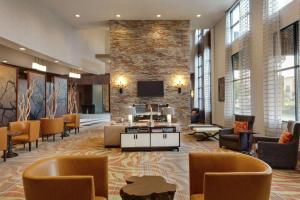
x=39, y=67
x=74, y=75
x=22, y=49
x=158, y=16
x=198, y=16
x=56, y=61
x=77, y=15
x=118, y=16
x=4, y=61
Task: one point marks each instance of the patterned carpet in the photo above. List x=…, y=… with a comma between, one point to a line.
x=171, y=165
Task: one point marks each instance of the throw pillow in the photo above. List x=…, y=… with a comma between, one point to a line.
x=285, y=137
x=240, y=126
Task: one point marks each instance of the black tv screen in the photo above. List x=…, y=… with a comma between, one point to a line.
x=150, y=88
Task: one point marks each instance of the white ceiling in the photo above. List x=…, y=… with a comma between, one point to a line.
x=100, y=11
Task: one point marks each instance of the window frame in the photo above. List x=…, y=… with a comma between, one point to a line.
x=236, y=23
x=296, y=65
x=234, y=80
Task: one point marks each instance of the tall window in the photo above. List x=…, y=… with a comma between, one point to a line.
x=282, y=3
x=241, y=78
x=288, y=72
x=235, y=22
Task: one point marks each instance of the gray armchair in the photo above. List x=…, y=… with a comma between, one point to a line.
x=240, y=142
x=282, y=156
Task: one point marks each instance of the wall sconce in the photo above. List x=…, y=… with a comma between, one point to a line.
x=192, y=93
x=179, y=84
x=120, y=84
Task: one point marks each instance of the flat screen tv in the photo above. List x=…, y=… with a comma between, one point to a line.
x=150, y=88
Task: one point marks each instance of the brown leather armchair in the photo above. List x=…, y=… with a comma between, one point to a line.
x=228, y=176
x=51, y=127
x=30, y=132
x=237, y=142
x=74, y=120
x=3, y=141
x=67, y=178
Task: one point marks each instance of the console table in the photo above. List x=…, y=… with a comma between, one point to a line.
x=150, y=138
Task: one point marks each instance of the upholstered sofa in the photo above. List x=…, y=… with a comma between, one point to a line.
x=228, y=176
x=30, y=132
x=3, y=141
x=112, y=135
x=67, y=178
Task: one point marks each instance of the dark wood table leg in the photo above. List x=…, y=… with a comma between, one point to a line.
x=206, y=136
x=10, y=153
x=65, y=134
x=203, y=136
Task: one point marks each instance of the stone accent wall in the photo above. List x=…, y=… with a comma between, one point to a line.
x=148, y=51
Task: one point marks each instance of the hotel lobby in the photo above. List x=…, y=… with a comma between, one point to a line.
x=161, y=100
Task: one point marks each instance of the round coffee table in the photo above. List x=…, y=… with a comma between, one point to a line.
x=147, y=187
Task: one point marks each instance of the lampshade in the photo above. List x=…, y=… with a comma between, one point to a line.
x=168, y=111
x=130, y=110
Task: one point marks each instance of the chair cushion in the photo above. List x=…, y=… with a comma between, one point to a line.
x=231, y=137
x=285, y=137
x=21, y=138
x=100, y=198
x=70, y=125
x=197, y=197
x=240, y=126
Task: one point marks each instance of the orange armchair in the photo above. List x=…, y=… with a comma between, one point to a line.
x=228, y=176
x=51, y=127
x=30, y=132
x=3, y=141
x=67, y=178
x=74, y=122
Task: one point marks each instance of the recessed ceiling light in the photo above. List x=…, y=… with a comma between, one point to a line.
x=22, y=49
x=4, y=61
x=158, y=15
x=198, y=15
x=118, y=16
x=77, y=15
x=56, y=61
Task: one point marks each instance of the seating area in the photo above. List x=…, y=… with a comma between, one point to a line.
x=149, y=100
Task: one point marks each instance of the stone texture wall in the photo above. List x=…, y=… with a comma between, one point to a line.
x=149, y=51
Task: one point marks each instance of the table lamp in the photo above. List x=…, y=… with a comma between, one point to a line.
x=169, y=111
x=130, y=111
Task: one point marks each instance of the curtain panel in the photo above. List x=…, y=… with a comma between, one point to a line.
x=228, y=107
x=272, y=62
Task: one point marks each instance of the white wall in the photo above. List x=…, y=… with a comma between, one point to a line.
x=21, y=59
x=218, y=70
x=288, y=15
x=30, y=24
x=93, y=41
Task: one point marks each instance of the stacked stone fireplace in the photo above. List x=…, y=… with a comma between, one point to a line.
x=150, y=51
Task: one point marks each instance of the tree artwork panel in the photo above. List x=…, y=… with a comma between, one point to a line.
x=62, y=100
x=38, y=99
x=8, y=96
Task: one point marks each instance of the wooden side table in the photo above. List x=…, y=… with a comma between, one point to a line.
x=147, y=188
x=10, y=135
x=65, y=134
